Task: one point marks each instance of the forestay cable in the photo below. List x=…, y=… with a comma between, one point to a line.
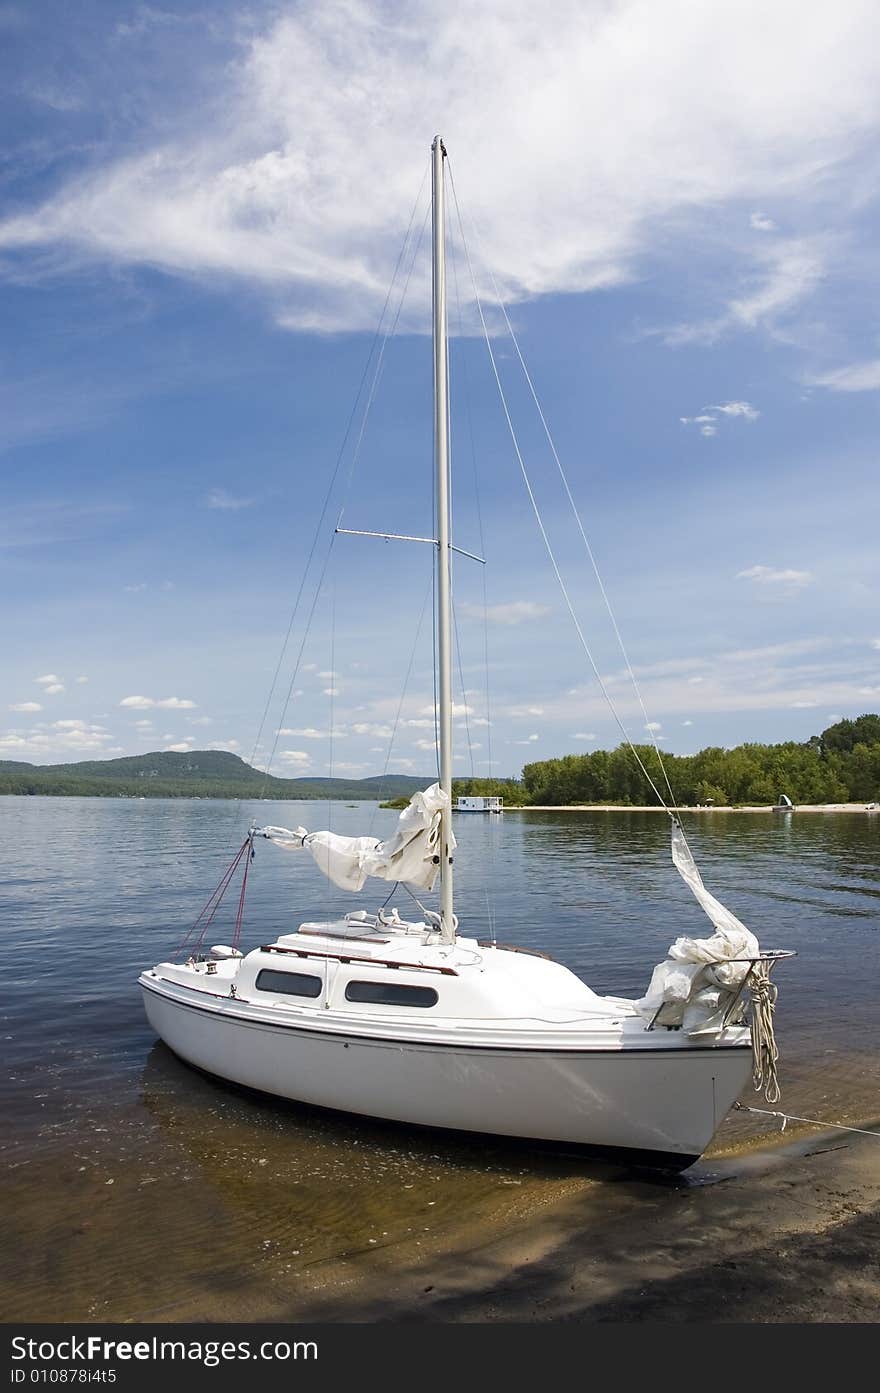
x=337, y=465
x=538, y=518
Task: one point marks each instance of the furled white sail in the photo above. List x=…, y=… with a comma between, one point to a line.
x=411, y=854
x=696, y=980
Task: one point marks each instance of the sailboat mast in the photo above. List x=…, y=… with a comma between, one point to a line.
x=444, y=579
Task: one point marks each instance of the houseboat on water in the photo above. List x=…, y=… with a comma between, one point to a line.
x=478, y=805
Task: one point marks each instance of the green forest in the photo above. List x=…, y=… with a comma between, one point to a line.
x=839, y=766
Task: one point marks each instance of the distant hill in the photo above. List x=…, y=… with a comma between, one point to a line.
x=197, y=774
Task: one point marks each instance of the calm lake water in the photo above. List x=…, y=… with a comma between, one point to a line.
x=140, y=1189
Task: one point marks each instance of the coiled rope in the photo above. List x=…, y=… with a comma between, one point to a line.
x=765, y=1052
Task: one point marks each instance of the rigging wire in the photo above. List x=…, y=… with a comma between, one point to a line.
x=412, y=656
x=389, y=334
x=538, y=518
x=589, y=550
x=461, y=357
x=330, y=487
x=461, y=683
x=408, y=244
x=464, y=703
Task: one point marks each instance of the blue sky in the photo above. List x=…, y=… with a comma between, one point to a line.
x=202, y=208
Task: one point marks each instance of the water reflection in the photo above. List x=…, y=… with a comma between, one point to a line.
x=139, y=1188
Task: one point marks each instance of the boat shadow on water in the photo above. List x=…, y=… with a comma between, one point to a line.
x=189, y=1102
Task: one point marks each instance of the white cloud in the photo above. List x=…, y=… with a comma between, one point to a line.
x=295, y=757
x=653, y=726
x=199, y=720
x=328, y=675
x=143, y=703
x=183, y=747
x=331, y=691
x=26, y=706
x=301, y=174
x=516, y=711
x=143, y=725
x=875, y=642
x=803, y=705
x=48, y=679
x=220, y=498
x=231, y=745
x=135, y=589
x=583, y=735
x=458, y=709
x=308, y=733
x=857, y=377
x=424, y=744
x=708, y=420
x=515, y=612
x=377, y=730
x=772, y=575
x=761, y=223
x=737, y=408
x=687, y=723
x=62, y=738
x=776, y=284
x=54, y=688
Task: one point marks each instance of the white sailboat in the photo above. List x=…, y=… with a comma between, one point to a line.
x=419, y=1023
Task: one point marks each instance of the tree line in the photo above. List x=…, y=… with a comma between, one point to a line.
x=839, y=766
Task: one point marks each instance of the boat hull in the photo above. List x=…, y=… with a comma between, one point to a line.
x=664, y=1103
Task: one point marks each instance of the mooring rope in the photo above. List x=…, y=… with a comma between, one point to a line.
x=765, y=1052
x=810, y=1121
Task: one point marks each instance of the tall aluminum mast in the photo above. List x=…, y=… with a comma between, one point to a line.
x=444, y=582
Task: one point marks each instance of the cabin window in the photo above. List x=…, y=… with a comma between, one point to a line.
x=390, y=994
x=289, y=983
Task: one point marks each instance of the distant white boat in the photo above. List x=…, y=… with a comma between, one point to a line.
x=414, y=1021
x=474, y=804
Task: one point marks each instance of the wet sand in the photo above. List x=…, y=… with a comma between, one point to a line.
x=786, y=1234
x=213, y=1204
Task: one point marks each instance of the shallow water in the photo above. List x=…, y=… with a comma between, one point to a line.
x=138, y=1188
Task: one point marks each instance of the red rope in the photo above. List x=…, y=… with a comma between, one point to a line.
x=212, y=904
x=236, y=936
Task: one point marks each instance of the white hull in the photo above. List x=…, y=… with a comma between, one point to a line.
x=664, y=1100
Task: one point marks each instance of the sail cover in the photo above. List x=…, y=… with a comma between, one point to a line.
x=410, y=854
x=699, y=973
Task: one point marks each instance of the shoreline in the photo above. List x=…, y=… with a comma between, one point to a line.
x=778, y=1233
x=690, y=808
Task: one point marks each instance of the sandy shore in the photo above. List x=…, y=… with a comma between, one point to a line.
x=684, y=808
x=785, y=1234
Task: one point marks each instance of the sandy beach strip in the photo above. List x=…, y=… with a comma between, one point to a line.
x=789, y=1233
x=690, y=808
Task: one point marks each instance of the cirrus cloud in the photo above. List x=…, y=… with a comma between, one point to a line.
x=301, y=174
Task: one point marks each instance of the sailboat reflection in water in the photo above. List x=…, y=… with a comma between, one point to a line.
x=414, y=1021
